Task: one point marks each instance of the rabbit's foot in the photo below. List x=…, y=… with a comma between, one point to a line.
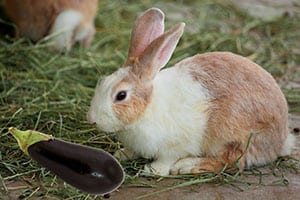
x=157, y=168
x=196, y=165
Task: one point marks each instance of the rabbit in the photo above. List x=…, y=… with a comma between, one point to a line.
x=64, y=21
x=206, y=112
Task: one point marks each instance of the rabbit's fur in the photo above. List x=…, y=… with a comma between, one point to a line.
x=196, y=116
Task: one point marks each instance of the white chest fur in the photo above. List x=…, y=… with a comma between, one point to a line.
x=175, y=120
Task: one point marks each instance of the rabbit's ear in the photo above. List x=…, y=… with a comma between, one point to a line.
x=158, y=53
x=148, y=27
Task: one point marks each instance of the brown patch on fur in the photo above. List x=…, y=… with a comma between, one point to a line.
x=137, y=69
x=131, y=61
x=209, y=165
x=232, y=152
x=130, y=110
x=143, y=71
x=246, y=99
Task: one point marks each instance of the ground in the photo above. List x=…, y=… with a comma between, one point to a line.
x=51, y=92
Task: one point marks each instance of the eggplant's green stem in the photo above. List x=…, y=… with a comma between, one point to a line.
x=29, y=137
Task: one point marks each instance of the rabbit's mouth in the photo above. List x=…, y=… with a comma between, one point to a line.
x=108, y=129
x=105, y=123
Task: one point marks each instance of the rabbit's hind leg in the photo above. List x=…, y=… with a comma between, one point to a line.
x=196, y=165
x=230, y=158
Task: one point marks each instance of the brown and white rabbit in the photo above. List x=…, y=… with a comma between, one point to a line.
x=196, y=116
x=67, y=21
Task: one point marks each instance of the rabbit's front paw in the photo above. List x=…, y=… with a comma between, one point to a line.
x=156, y=168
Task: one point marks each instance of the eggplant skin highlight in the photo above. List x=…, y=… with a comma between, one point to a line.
x=88, y=169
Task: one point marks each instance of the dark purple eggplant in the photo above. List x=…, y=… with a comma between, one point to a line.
x=89, y=169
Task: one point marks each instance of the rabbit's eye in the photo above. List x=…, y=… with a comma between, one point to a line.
x=121, y=95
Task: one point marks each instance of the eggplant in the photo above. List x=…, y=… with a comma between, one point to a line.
x=88, y=169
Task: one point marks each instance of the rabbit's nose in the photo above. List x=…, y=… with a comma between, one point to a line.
x=91, y=118
x=93, y=123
